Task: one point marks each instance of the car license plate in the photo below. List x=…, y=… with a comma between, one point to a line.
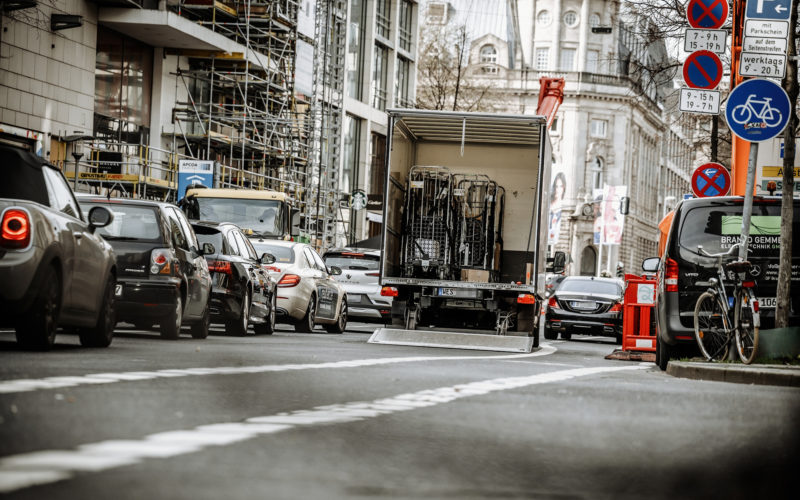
x=118, y=290
x=353, y=298
x=582, y=305
x=767, y=302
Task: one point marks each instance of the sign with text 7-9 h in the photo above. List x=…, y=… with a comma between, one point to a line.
x=700, y=101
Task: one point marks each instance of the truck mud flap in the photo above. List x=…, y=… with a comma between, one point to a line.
x=452, y=340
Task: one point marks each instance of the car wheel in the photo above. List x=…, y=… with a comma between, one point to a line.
x=549, y=334
x=200, y=329
x=102, y=333
x=306, y=325
x=566, y=335
x=268, y=327
x=618, y=338
x=341, y=323
x=238, y=326
x=171, y=325
x=37, y=328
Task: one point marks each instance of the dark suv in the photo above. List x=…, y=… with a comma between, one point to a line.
x=162, y=275
x=716, y=224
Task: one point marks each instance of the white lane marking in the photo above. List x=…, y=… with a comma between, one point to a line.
x=27, y=385
x=43, y=467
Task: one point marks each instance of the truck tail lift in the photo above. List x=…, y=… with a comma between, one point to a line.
x=465, y=226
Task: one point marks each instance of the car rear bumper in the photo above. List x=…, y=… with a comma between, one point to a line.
x=146, y=299
x=367, y=306
x=598, y=324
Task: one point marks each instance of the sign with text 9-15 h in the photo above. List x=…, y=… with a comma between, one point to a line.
x=700, y=101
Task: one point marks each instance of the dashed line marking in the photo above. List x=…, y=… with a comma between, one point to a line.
x=27, y=385
x=49, y=466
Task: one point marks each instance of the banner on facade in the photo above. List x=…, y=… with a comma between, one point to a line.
x=609, y=221
x=557, y=191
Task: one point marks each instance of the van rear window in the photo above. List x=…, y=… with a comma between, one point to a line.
x=717, y=228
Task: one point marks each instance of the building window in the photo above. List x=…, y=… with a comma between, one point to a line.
x=377, y=179
x=488, y=54
x=597, y=172
x=571, y=18
x=567, y=62
x=383, y=23
x=543, y=19
x=380, y=68
x=404, y=28
x=437, y=13
x=598, y=128
x=542, y=58
x=594, y=20
x=401, y=83
x=591, y=60
x=355, y=49
x=352, y=134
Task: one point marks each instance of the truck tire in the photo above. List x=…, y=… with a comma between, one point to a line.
x=411, y=318
x=36, y=329
x=102, y=333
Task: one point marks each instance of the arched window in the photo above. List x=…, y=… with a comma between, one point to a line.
x=488, y=54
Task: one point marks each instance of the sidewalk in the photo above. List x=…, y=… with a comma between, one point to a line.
x=738, y=373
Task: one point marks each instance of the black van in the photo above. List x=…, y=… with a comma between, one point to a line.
x=716, y=224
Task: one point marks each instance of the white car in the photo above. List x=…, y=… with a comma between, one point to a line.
x=360, y=272
x=308, y=295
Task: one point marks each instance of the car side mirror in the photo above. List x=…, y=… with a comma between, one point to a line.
x=335, y=270
x=650, y=265
x=100, y=217
x=267, y=258
x=207, y=249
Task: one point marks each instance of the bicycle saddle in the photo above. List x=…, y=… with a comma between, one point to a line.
x=739, y=266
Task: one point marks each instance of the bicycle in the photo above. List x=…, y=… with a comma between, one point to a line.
x=712, y=313
x=742, y=113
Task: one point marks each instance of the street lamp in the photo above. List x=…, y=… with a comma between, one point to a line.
x=76, y=140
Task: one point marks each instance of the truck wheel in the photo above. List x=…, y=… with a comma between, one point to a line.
x=170, y=326
x=306, y=325
x=412, y=318
x=238, y=326
x=37, y=328
x=102, y=333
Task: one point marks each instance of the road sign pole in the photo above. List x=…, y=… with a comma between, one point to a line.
x=739, y=147
x=747, y=209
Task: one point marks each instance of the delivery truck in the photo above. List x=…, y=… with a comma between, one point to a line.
x=464, y=231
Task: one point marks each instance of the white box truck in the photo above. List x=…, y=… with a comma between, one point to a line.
x=464, y=233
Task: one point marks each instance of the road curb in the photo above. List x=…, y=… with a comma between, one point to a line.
x=737, y=373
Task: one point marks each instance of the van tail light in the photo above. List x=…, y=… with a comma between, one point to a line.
x=755, y=306
x=553, y=303
x=160, y=261
x=748, y=284
x=373, y=274
x=389, y=291
x=16, y=229
x=671, y=275
x=220, y=266
x=289, y=280
x=617, y=307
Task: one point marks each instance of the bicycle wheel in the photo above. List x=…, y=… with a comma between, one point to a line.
x=746, y=329
x=741, y=114
x=712, y=327
x=772, y=117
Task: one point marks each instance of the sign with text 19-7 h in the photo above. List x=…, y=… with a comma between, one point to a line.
x=194, y=172
x=757, y=110
x=700, y=101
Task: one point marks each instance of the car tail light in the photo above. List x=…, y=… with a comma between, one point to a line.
x=526, y=298
x=160, y=259
x=289, y=280
x=671, y=276
x=220, y=266
x=617, y=307
x=16, y=229
x=553, y=303
x=374, y=274
x=353, y=254
x=389, y=291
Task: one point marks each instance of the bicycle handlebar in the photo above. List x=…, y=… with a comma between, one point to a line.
x=701, y=251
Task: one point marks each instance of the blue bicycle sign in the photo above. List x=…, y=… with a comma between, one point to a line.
x=757, y=110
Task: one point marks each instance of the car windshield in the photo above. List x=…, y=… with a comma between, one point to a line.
x=590, y=286
x=353, y=261
x=130, y=222
x=263, y=217
x=283, y=255
x=718, y=227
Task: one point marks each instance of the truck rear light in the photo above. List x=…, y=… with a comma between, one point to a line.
x=526, y=298
x=553, y=303
x=671, y=275
x=617, y=307
x=289, y=280
x=220, y=266
x=389, y=291
x=16, y=229
x=160, y=261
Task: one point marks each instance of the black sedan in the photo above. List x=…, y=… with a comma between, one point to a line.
x=587, y=306
x=243, y=293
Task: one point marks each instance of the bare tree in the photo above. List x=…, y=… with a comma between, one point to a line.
x=444, y=81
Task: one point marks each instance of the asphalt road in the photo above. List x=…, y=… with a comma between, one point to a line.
x=295, y=416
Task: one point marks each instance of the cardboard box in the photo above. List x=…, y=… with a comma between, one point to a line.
x=475, y=275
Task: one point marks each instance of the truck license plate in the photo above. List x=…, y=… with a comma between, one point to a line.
x=447, y=292
x=118, y=290
x=767, y=302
